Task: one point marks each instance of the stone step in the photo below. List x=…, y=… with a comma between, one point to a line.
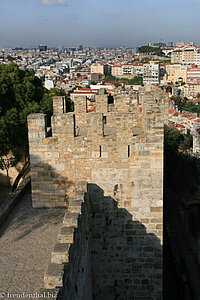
x=66, y=235
x=70, y=219
x=60, y=253
x=53, y=276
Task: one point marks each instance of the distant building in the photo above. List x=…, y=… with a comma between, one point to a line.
x=187, y=55
x=176, y=73
x=48, y=84
x=116, y=70
x=191, y=90
x=100, y=68
x=94, y=77
x=42, y=47
x=170, y=44
x=151, y=73
x=127, y=69
x=193, y=75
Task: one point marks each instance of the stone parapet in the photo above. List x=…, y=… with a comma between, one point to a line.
x=70, y=267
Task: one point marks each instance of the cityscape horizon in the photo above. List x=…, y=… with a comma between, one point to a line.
x=65, y=46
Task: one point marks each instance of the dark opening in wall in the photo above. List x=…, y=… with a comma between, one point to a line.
x=128, y=150
x=104, y=120
x=99, y=151
x=74, y=125
x=110, y=99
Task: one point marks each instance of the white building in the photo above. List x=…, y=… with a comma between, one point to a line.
x=48, y=84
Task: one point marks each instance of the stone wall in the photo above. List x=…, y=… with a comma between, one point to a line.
x=77, y=279
x=120, y=152
x=126, y=259
x=70, y=267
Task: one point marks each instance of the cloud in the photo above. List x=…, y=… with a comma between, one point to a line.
x=54, y=2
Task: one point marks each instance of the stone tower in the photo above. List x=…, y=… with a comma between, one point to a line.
x=118, y=151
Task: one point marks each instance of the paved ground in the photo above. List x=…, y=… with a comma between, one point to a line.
x=26, y=241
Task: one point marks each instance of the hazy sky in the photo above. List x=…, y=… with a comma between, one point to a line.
x=28, y=23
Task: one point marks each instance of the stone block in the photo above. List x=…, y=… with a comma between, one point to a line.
x=60, y=253
x=53, y=276
x=70, y=219
x=66, y=235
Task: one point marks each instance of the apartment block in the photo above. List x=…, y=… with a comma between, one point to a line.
x=176, y=73
x=151, y=73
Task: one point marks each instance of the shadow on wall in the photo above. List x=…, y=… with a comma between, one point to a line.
x=4, y=181
x=5, y=187
x=126, y=260
x=50, y=189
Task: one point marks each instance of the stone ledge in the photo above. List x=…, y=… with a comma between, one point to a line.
x=53, y=277
x=66, y=235
x=13, y=198
x=70, y=219
x=60, y=253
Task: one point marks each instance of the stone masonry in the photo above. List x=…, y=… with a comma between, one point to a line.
x=118, y=151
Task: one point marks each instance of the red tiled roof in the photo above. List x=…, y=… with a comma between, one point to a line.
x=180, y=126
x=77, y=92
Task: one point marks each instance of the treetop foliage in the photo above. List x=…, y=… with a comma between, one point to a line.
x=149, y=49
x=20, y=94
x=137, y=80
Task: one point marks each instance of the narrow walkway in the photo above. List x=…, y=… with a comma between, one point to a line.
x=27, y=239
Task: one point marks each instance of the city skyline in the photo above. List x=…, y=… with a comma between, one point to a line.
x=110, y=24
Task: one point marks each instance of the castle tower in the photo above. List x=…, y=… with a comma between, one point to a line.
x=120, y=154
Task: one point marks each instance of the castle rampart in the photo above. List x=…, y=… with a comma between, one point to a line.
x=121, y=153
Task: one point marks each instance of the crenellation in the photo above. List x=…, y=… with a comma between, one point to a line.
x=59, y=105
x=101, y=102
x=37, y=124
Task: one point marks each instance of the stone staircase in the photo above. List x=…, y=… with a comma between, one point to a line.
x=53, y=278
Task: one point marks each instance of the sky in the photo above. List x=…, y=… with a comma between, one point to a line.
x=105, y=23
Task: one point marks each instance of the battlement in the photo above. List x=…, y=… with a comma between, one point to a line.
x=144, y=115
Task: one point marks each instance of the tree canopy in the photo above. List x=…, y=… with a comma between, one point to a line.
x=136, y=80
x=20, y=94
x=149, y=49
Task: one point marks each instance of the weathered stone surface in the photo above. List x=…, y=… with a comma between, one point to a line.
x=118, y=150
x=60, y=253
x=53, y=276
x=66, y=235
x=70, y=219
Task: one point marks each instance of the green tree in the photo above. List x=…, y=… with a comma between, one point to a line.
x=20, y=94
x=149, y=49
